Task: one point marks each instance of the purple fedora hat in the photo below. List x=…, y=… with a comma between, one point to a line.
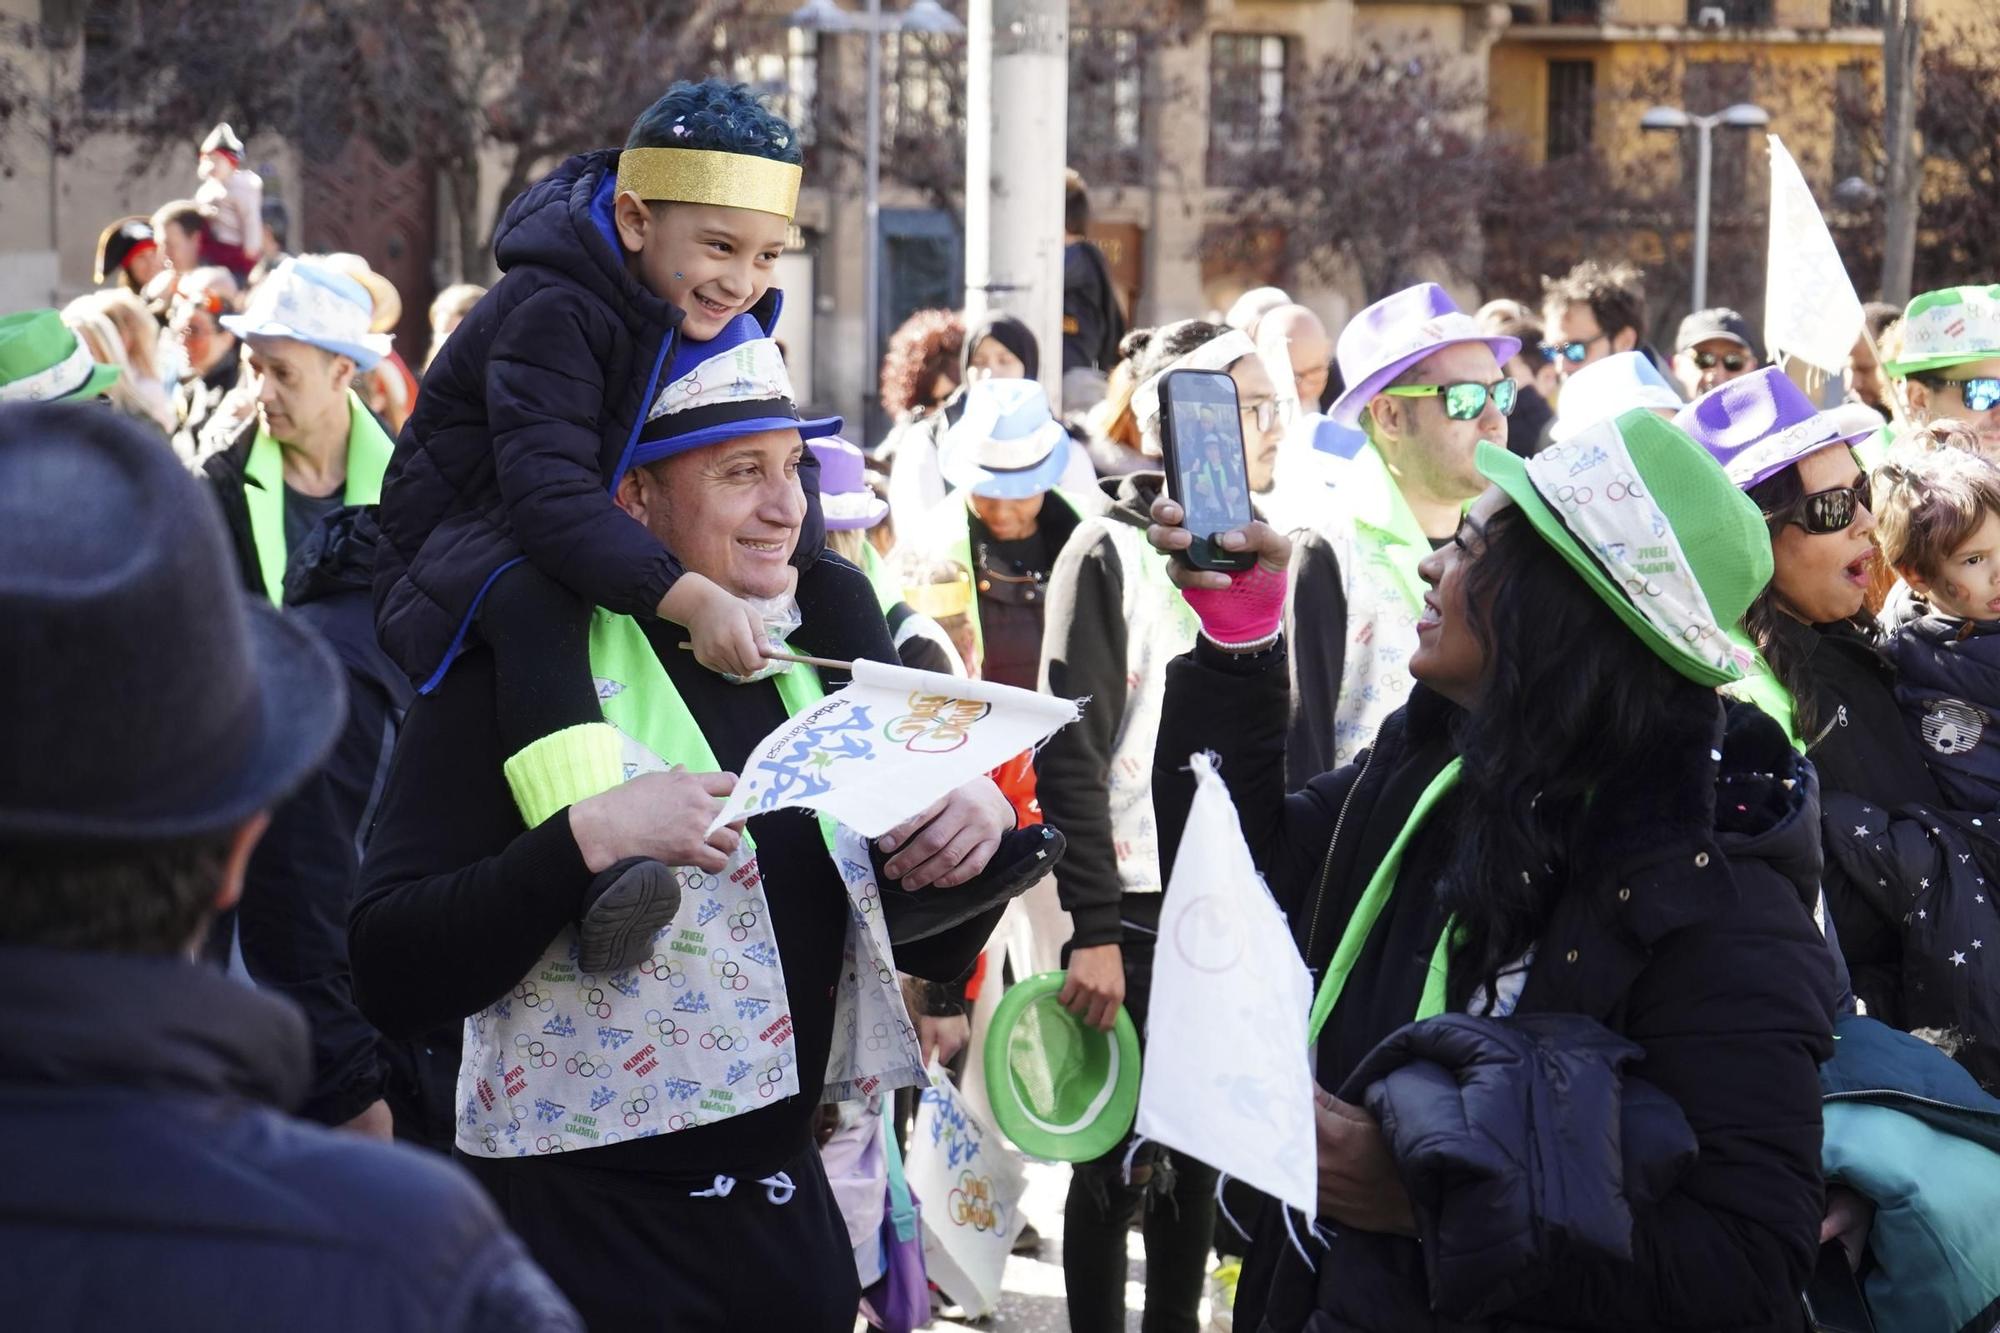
x=1394, y=334
x=844, y=496
x=1759, y=424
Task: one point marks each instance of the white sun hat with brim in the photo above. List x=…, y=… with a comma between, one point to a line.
x=1609, y=388
x=1007, y=445
x=315, y=304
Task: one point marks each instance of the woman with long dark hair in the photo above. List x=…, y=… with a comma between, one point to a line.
x=1564, y=826
x=1906, y=877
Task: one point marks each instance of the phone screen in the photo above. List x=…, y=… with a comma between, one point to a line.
x=1212, y=481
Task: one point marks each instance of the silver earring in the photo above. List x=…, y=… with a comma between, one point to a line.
x=679, y=275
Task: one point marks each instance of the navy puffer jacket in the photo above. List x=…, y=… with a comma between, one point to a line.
x=1948, y=682
x=526, y=420
x=154, y=1183
x=1525, y=1147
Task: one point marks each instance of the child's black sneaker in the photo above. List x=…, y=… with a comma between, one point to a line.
x=624, y=908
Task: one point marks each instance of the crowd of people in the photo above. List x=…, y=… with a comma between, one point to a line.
x=1615, y=727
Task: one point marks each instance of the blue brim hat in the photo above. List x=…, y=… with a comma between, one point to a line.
x=732, y=385
x=1007, y=445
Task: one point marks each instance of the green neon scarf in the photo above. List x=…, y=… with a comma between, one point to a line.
x=651, y=711
x=1369, y=910
x=368, y=451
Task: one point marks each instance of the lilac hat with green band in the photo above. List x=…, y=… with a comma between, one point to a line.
x=1394, y=334
x=1649, y=520
x=1759, y=424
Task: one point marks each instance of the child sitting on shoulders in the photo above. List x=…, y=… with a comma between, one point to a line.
x=497, y=518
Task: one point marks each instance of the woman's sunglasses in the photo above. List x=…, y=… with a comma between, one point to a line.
x=1729, y=361
x=1825, y=512
x=1464, y=400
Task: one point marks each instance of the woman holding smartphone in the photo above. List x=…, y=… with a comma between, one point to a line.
x=1565, y=825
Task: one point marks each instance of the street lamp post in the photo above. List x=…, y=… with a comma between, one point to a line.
x=826, y=16
x=1743, y=115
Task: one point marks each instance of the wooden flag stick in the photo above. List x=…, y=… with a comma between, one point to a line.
x=827, y=662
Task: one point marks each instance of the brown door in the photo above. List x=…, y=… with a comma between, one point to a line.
x=387, y=214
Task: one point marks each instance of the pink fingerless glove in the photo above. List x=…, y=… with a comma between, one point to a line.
x=1247, y=611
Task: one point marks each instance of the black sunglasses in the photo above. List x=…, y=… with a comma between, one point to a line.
x=1729, y=361
x=1825, y=512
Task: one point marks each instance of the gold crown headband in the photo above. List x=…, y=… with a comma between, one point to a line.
x=940, y=600
x=704, y=176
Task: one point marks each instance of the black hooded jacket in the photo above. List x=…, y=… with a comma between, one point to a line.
x=1685, y=930
x=526, y=420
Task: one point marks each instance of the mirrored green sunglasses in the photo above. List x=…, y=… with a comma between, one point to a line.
x=1464, y=400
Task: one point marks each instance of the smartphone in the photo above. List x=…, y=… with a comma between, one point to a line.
x=1834, y=1299
x=1201, y=433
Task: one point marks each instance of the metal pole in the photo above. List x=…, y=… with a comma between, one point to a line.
x=1704, y=128
x=1017, y=87
x=871, y=241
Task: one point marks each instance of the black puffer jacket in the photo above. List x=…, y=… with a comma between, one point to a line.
x=1686, y=931
x=526, y=420
x=1524, y=1145
x=1909, y=880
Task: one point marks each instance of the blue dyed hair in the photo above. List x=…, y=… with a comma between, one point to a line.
x=721, y=117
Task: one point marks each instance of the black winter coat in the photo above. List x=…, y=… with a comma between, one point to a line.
x=1686, y=931
x=153, y=1183
x=525, y=423
x=290, y=927
x=1524, y=1146
x=1908, y=879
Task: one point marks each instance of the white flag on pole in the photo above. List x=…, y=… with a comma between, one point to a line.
x=1810, y=308
x=1227, y=1075
x=890, y=744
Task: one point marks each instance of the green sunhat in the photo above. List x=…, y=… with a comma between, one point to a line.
x=42, y=361
x=1060, y=1091
x=1948, y=327
x=1655, y=527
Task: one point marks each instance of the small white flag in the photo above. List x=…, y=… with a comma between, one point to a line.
x=1227, y=1075
x=1810, y=308
x=889, y=745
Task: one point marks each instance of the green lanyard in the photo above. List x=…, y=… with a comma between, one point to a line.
x=651, y=711
x=368, y=451
x=1369, y=910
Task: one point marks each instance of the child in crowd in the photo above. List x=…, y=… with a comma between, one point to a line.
x=497, y=514
x=231, y=199
x=1938, y=522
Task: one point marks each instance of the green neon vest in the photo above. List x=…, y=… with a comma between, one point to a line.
x=368, y=451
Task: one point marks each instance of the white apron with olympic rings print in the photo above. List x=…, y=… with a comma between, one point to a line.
x=701, y=1030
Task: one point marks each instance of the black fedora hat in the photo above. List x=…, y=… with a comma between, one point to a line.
x=145, y=696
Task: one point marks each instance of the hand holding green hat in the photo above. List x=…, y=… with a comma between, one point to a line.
x=1060, y=1091
x=1654, y=525
x=42, y=361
